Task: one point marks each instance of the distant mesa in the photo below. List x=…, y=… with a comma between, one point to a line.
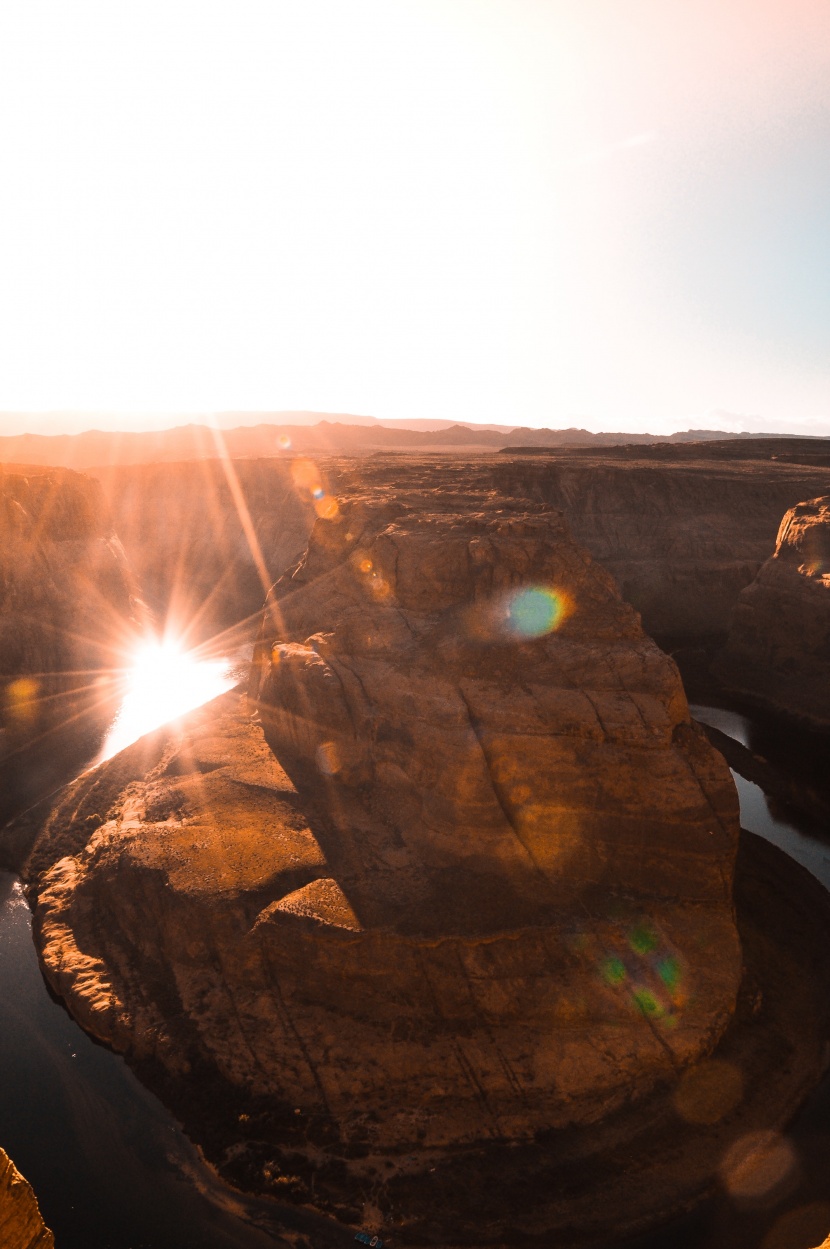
x=283, y=433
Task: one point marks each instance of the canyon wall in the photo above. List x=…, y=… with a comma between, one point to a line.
x=778, y=651
x=21, y=1226
x=208, y=538
x=67, y=600
x=681, y=538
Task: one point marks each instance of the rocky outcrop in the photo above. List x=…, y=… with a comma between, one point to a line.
x=489, y=895
x=778, y=651
x=21, y=1226
x=681, y=538
x=68, y=607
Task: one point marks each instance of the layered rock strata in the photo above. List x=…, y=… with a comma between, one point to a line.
x=21, y=1225
x=484, y=893
x=682, y=539
x=778, y=651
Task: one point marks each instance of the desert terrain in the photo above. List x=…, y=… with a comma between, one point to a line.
x=441, y=922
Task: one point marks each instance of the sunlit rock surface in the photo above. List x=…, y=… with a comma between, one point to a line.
x=21, y=1226
x=778, y=650
x=66, y=597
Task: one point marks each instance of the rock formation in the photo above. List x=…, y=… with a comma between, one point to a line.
x=778, y=651
x=21, y=1226
x=484, y=893
x=681, y=538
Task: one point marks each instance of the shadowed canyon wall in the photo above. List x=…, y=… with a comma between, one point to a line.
x=682, y=538
x=67, y=600
x=778, y=651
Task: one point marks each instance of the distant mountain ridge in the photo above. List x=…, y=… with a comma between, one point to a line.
x=98, y=448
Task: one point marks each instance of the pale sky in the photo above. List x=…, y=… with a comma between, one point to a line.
x=611, y=213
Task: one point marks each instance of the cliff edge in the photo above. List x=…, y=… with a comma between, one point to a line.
x=778, y=650
x=21, y=1226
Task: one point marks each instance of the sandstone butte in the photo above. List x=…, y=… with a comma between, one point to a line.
x=778, y=650
x=21, y=1226
x=464, y=877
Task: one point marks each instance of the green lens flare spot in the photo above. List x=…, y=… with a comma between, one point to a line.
x=643, y=940
x=648, y=1003
x=668, y=969
x=534, y=612
x=613, y=971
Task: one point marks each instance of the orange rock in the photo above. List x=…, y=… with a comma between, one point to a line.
x=21, y=1226
x=778, y=650
x=486, y=890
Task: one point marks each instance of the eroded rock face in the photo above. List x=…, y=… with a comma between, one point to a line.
x=486, y=890
x=21, y=1226
x=681, y=539
x=778, y=650
x=492, y=746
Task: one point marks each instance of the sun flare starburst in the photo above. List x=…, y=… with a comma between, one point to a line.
x=162, y=683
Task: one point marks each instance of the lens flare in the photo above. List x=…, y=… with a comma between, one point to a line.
x=709, y=1091
x=306, y=475
x=21, y=699
x=163, y=683
x=534, y=612
x=758, y=1165
x=648, y=973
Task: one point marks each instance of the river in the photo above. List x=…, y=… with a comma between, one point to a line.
x=111, y=1168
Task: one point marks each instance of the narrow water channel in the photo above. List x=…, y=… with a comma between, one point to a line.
x=756, y=815
x=109, y=1165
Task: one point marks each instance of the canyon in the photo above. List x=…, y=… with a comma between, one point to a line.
x=681, y=536
x=455, y=882
x=778, y=649
x=69, y=608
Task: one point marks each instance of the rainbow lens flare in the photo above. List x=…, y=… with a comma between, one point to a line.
x=534, y=611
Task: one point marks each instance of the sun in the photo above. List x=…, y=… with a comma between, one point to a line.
x=162, y=683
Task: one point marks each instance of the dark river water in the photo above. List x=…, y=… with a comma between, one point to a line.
x=111, y=1168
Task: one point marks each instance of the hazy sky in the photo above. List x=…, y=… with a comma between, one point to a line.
x=614, y=213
